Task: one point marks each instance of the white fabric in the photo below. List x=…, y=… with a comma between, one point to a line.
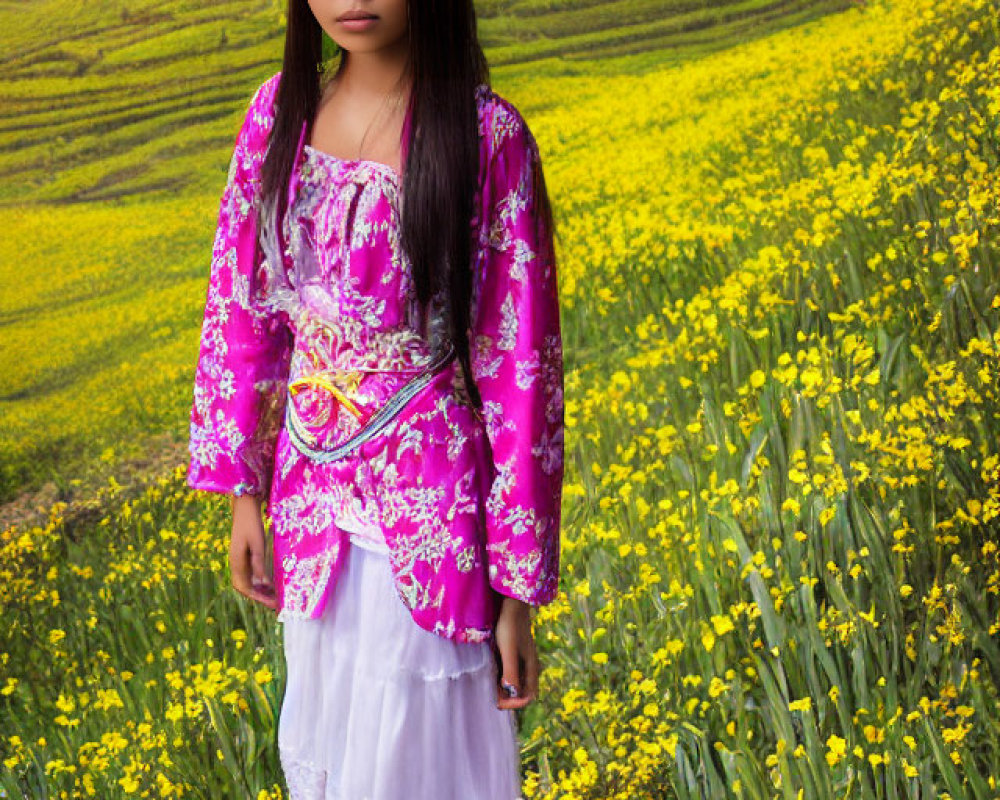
x=377, y=708
x=364, y=530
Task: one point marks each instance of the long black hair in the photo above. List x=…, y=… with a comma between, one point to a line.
x=446, y=63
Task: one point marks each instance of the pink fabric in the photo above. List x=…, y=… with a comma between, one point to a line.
x=468, y=505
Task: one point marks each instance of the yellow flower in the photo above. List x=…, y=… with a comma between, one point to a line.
x=263, y=675
x=801, y=705
x=873, y=734
x=791, y=504
x=65, y=704
x=722, y=624
x=836, y=749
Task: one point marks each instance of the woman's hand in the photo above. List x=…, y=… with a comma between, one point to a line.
x=246, y=553
x=515, y=644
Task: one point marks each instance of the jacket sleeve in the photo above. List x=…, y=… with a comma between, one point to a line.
x=242, y=369
x=517, y=365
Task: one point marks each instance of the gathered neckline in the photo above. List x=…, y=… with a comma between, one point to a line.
x=379, y=165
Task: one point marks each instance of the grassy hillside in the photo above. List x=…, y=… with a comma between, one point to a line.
x=116, y=124
x=139, y=98
x=780, y=563
x=526, y=30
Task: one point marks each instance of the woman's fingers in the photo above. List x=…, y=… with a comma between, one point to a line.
x=268, y=599
x=513, y=660
x=240, y=570
x=506, y=643
x=531, y=670
x=247, y=567
x=259, y=577
x=265, y=599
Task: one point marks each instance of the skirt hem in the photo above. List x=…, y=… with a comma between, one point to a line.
x=368, y=713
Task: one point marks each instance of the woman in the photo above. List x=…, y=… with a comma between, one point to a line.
x=384, y=367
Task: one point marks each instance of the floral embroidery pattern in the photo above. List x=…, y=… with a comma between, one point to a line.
x=324, y=317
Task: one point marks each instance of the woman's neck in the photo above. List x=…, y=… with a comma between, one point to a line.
x=374, y=74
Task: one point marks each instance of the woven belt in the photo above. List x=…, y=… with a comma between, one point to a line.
x=300, y=437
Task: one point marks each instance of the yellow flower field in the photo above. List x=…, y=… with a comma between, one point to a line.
x=781, y=564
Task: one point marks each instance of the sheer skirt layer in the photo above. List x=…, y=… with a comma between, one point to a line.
x=377, y=708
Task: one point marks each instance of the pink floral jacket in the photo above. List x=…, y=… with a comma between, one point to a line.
x=468, y=503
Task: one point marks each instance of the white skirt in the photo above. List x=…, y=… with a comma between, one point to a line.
x=378, y=708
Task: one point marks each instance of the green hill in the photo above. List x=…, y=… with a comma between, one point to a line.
x=130, y=99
